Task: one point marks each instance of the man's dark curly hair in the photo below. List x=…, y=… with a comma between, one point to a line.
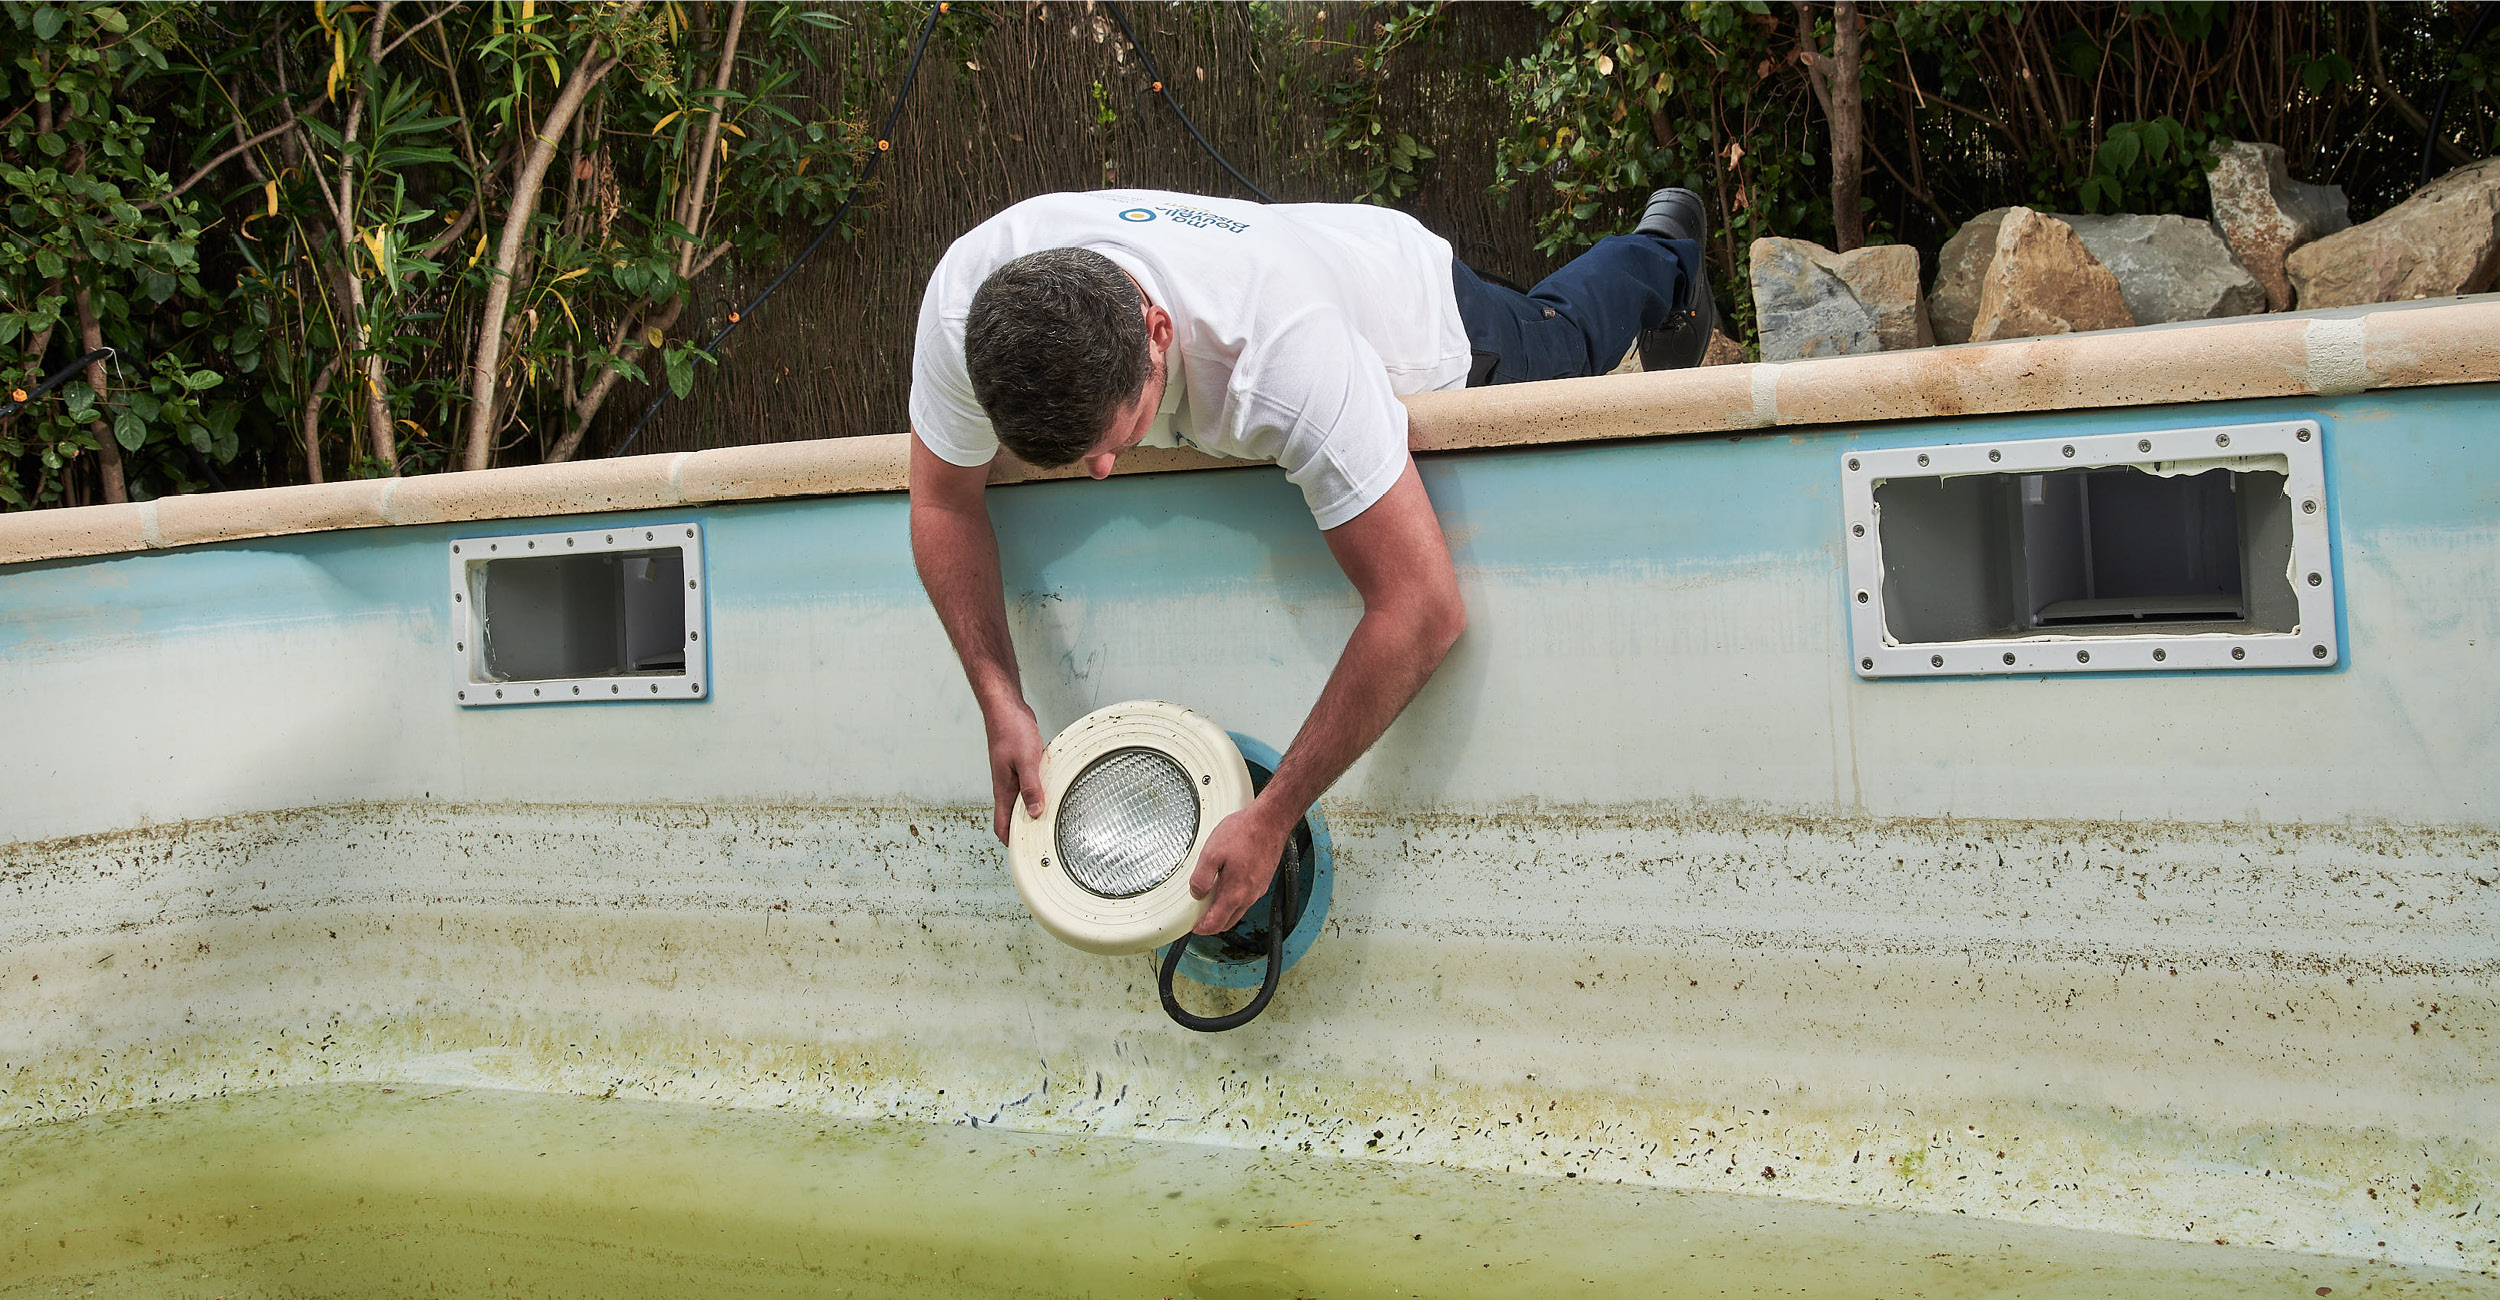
x=1055, y=344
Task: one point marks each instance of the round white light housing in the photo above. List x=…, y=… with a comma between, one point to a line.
x=1129, y=795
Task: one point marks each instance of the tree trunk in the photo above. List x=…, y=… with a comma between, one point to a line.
x=1834, y=78
x=525, y=186
x=378, y=431
x=312, y=422
x=108, y=451
x=690, y=207
x=1848, y=113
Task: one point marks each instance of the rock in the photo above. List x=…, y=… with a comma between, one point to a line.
x=1959, y=267
x=2044, y=281
x=2444, y=240
x=1812, y=302
x=2265, y=214
x=2170, y=268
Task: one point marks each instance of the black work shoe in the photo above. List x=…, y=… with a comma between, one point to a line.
x=1684, y=336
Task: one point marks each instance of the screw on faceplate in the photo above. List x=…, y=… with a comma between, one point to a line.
x=1935, y=661
x=2222, y=440
x=2009, y=658
x=1861, y=597
x=2159, y=654
x=1853, y=462
x=2083, y=656
x=1994, y=454
x=2069, y=450
x=2239, y=652
x=1857, y=530
x=2143, y=444
x=2304, y=435
x=2309, y=507
x=2317, y=652
x=1922, y=460
x=2314, y=580
x=1867, y=664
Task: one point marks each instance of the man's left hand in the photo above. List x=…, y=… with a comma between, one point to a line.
x=1235, y=867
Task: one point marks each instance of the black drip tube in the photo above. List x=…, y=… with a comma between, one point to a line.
x=55, y=380
x=1281, y=916
x=1159, y=88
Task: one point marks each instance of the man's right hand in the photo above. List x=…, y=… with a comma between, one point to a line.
x=1015, y=762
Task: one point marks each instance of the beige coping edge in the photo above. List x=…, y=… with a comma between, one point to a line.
x=2403, y=346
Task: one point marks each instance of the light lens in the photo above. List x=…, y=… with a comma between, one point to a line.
x=1126, y=823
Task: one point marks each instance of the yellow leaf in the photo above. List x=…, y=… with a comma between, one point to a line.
x=554, y=72
x=271, y=189
x=653, y=337
x=656, y=127
x=732, y=126
x=321, y=14
x=1605, y=66
x=338, y=64
x=373, y=244
x=480, y=250
x=568, y=312
x=529, y=10
x=575, y=273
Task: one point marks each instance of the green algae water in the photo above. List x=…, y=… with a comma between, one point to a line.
x=369, y=1191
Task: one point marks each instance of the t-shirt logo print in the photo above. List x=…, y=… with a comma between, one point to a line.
x=1138, y=214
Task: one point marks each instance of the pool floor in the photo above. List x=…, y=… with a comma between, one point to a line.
x=375, y=1191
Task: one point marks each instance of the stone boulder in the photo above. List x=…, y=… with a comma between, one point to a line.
x=2043, y=280
x=2444, y=240
x=1812, y=302
x=2170, y=268
x=1960, y=266
x=2265, y=214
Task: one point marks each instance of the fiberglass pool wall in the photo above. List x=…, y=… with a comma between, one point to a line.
x=1647, y=884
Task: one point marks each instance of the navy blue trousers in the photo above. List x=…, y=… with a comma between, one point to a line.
x=1581, y=319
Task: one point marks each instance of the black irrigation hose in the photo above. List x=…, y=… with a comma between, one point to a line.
x=2430, y=132
x=1159, y=88
x=885, y=142
x=1281, y=915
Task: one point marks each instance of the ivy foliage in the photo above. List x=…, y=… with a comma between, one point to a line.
x=90, y=218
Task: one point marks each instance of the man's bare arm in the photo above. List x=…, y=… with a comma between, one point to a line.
x=956, y=551
x=1399, y=563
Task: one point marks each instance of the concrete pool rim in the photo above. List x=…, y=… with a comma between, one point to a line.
x=2325, y=353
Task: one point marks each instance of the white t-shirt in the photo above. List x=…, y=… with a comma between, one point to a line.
x=1295, y=327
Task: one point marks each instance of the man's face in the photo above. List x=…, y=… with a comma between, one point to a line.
x=1130, y=423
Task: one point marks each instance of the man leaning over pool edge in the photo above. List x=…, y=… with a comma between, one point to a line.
x=1072, y=327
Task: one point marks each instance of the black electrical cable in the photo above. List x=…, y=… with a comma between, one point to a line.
x=885, y=142
x=1281, y=916
x=2430, y=131
x=1159, y=88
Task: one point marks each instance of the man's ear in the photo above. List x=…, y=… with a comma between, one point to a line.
x=1099, y=464
x=1158, y=327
